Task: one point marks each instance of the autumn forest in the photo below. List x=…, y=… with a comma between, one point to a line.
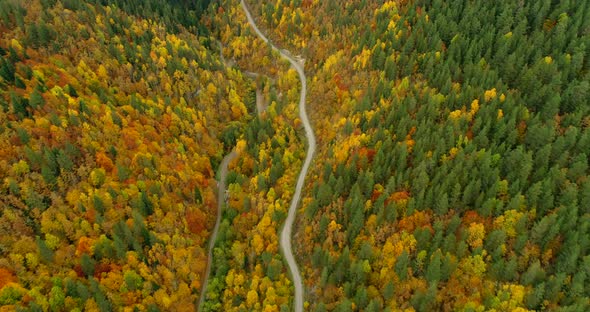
x=152, y=151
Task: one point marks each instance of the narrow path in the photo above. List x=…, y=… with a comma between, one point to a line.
x=220, y=202
x=287, y=229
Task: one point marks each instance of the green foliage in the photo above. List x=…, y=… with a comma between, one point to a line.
x=10, y=295
x=88, y=264
x=56, y=299
x=44, y=251
x=132, y=280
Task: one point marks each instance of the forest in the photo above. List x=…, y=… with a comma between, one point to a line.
x=451, y=172
x=110, y=126
x=457, y=175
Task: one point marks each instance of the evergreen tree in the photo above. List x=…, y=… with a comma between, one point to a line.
x=401, y=265
x=44, y=251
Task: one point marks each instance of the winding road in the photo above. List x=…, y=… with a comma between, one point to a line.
x=220, y=202
x=287, y=228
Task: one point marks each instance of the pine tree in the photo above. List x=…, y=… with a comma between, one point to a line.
x=88, y=264
x=44, y=251
x=433, y=273
x=401, y=265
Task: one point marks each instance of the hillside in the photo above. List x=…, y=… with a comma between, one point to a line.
x=111, y=128
x=451, y=171
x=453, y=164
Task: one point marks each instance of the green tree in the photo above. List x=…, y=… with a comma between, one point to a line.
x=88, y=264
x=56, y=299
x=19, y=105
x=433, y=273
x=401, y=265
x=44, y=251
x=324, y=194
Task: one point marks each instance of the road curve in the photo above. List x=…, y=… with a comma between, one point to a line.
x=220, y=202
x=286, y=233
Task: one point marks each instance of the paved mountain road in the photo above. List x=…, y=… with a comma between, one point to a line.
x=287, y=228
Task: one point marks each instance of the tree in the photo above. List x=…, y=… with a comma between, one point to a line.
x=252, y=298
x=10, y=295
x=324, y=194
x=433, y=271
x=56, y=298
x=344, y=306
x=132, y=280
x=401, y=265
x=88, y=265
x=45, y=252
x=7, y=70
x=19, y=105
x=361, y=299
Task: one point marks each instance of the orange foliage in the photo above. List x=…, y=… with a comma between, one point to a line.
x=130, y=137
x=196, y=221
x=84, y=244
x=367, y=152
x=399, y=196
x=409, y=141
x=469, y=133
x=472, y=216
x=338, y=81
x=104, y=268
x=416, y=220
x=6, y=277
x=104, y=161
x=90, y=215
x=375, y=195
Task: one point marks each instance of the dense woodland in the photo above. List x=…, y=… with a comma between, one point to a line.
x=111, y=127
x=457, y=178
x=452, y=170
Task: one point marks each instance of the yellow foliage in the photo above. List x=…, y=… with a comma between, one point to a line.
x=548, y=59
x=32, y=260
x=264, y=223
x=102, y=72
x=389, y=6
x=162, y=298
x=476, y=234
x=362, y=59
x=342, y=150
x=508, y=221
x=474, y=107
x=237, y=106
x=512, y=296
x=334, y=227
x=489, y=94
x=473, y=265
x=331, y=61
x=21, y=167
x=240, y=146
x=97, y=177
x=395, y=245
x=257, y=243
x=271, y=308
x=454, y=115
x=16, y=45
x=252, y=298
x=52, y=241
